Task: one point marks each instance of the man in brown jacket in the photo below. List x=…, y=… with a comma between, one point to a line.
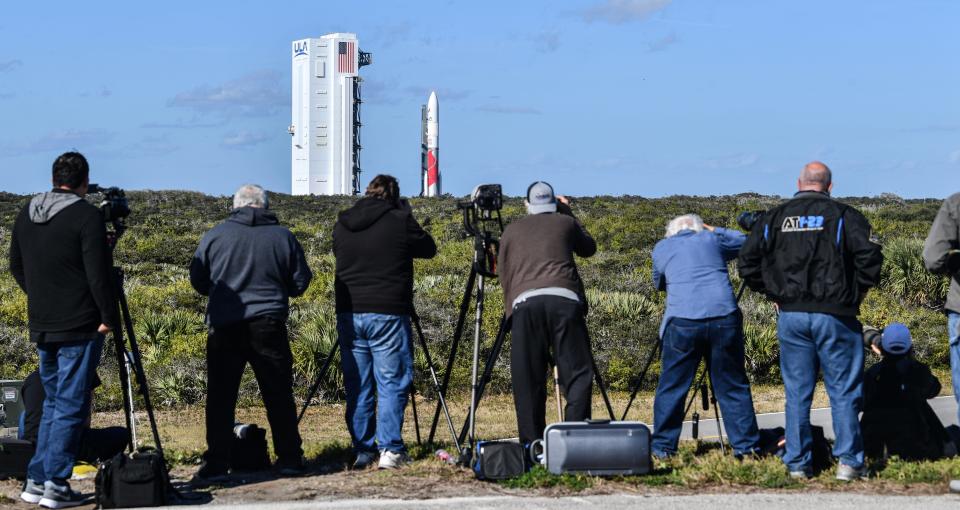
x=545, y=297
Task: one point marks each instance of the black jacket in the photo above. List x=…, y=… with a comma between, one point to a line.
x=250, y=266
x=375, y=243
x=812, y=254
x=60, y=258
x=896, y=416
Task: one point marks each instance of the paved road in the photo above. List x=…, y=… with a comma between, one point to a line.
x=771, y=501
x=945, y=407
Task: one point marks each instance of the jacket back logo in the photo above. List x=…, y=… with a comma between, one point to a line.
x=802, y=224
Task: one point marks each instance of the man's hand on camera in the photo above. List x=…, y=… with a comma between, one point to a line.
x=563, y=200
x=104, y=329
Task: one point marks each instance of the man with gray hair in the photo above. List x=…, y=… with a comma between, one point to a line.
x=813, y=258
x=250, y=267
x=702, y=321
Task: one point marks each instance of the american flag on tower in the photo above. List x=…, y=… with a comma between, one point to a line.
x=345, y=60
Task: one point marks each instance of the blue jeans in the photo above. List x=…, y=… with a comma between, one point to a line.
x=376, y=357
x=67, y=373
x=953, y=328
x=720, y=341
x=809, y=342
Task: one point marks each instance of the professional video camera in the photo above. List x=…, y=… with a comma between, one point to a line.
x=482, y=221
x=114, y=209
x=748, y=219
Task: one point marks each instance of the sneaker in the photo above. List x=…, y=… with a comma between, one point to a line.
x=290, y=467
x=32, y=492
x=393, y=460
x=83, y=471
x=213, y=471
x=60, y=496
x=800, y=475
x=848, y=473
x=364, y=460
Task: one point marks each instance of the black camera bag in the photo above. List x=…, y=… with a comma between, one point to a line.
x=249, y=453
x=128, y=481
x=500, y=460
x=15, y=455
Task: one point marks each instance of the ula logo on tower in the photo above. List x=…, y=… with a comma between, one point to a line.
x=300, y=48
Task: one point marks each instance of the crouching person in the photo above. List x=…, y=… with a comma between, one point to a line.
x=375, y=242
x=897, y=420
x=702, y=321
x=544, y=297
x=249, y=266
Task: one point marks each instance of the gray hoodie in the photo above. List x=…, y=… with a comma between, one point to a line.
x=45, y=206
x=941, y=252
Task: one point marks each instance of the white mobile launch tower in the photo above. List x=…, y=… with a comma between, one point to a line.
x=325, y=125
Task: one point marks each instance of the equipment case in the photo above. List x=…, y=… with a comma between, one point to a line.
x=598, y=448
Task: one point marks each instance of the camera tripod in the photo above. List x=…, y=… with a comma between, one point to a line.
x=442, y=404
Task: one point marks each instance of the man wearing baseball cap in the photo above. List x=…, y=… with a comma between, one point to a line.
x=896, y=416
x=544, y=295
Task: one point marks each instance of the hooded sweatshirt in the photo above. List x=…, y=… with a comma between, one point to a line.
x=60, y=258
x=250, y=266
x=375, y=243
x=940, y=249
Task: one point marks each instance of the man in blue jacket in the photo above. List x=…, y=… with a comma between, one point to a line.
x=249, y=266
x=702, y=321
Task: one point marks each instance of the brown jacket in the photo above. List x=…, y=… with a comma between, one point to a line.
x=536, y=251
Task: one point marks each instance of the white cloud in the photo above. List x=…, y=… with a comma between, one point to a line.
x=257, y=94
x=514, y=110
x=60, y=141
x=739, y=160
x=10, y=65
x=243, y=139
x=623, y=11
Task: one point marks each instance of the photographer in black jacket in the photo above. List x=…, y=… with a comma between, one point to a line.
x=813, y=258
x=60, y=258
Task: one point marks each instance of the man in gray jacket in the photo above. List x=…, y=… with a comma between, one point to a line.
x=941, y=254
x=250, y=266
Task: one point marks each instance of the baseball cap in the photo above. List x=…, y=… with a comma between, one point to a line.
x=540, y=198
x=896, y=339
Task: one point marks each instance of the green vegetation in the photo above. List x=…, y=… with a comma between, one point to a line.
x=165, y=228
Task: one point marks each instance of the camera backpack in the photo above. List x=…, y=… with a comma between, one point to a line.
x=597, y=448
x=500, y=460
x=249, y=452
x=128, y=481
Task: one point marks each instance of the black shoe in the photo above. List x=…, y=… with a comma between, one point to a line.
x=290, y=467
x=213, y=471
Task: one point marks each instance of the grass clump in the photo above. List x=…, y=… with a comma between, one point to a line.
x=540, y=478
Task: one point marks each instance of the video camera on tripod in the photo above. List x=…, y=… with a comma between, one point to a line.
x=114, y=208
x=482, y=221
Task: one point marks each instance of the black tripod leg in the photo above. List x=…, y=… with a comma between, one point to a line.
x=319, y=381
x=603, y=389
x=436, y=383
x=716, y=409
x=643, y=375
x=413, y=404
x=487, y=372
x=451, y=359
x=121, y=349
x=138, y=365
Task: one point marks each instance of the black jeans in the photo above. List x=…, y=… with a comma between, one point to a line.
x=263, y=343
x=541, y=325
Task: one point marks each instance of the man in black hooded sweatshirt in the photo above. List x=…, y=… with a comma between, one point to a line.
x=375, y=242
x=249, y=266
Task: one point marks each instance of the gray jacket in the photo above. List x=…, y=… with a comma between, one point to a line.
x=941, y=252
x=250, y=266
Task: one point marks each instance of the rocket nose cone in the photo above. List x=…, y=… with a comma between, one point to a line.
x=432, y=102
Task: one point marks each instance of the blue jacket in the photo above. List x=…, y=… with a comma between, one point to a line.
x=250, y=266
x=692, y=268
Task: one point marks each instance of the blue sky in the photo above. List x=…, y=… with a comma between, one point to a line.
x=640, y=97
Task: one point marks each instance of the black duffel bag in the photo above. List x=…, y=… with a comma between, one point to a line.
x=249, y=451
x=500, y=460
x=128, y=481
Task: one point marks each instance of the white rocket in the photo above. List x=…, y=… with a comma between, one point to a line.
x=431, y=177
